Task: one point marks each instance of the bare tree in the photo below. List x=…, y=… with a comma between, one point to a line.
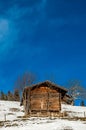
x=16, y=95
x=76, y=90
x=50, y=76
x=26, y=79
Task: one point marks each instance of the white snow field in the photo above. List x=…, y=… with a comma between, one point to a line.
x=74, y=111
x=11, y=111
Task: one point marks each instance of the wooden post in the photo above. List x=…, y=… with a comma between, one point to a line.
x=60, y=100
x=29, y=102
x=42, y=105
x=4, y=117
x=26, y=103
x=84, y=114
x=47, y=102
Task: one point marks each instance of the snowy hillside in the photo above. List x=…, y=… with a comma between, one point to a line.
x=12, y=113
x=10, y=110
x=74, y=111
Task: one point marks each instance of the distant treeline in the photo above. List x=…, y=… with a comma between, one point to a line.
x=10, y=96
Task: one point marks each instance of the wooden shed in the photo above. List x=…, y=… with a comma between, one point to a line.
x=68, y=100
x=43, y=99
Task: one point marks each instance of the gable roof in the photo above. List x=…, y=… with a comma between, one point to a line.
x=48, y=83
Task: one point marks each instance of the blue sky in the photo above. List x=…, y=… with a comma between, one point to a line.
x=46, y=37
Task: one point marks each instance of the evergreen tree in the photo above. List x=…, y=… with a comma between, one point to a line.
x=5, y=97
x=2, y=95
x=82, y=103
x=10, y=96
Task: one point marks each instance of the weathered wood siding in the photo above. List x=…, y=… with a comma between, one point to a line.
x=67, y=100
x=44, y=98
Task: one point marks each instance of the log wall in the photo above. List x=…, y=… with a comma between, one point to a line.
x=42, y=99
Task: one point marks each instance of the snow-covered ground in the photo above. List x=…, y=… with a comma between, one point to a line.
x=11, y=111
x=74, y=111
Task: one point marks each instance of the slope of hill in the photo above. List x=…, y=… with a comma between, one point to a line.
x=74, y=111
x=10, y=119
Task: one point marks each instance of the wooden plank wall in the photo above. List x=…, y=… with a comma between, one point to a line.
x=44, y=99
